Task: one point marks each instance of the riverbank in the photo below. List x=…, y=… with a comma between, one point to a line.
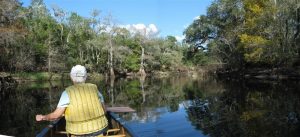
x=38, y=76
x=21, y=77
x=7, y=80
x=192, y=71
x=260, y=73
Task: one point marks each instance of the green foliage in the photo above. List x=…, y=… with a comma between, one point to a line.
x=133, y=92
x=132, y=63
x=197, y=58
x=200, y=31
x=172, y=40
x=235, y=32
x=257, y=32
x=56, y=43
x=253, y=46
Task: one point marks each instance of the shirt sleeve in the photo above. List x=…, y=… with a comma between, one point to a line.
x=101, y=97
x=64, y=100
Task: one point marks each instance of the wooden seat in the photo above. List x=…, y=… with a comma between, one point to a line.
x=114, y=133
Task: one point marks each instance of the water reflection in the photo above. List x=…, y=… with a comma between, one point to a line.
x=217, y=108
x=177, y=106
x=254, y=109
x=158, y=100
x=18, y=106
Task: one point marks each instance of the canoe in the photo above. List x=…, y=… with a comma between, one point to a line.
x=117, y=125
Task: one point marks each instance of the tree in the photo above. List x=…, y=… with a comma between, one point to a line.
x=12, y=33
x=79, y=35
x=60, y=16
x=142, y=37
x=245, y=32
x=43, y=35
x=200, y=32
x=110, y=30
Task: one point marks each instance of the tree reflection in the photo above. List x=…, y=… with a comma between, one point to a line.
x=217, y=108
x=146, y=95
x=19, y=105
x=254, y=109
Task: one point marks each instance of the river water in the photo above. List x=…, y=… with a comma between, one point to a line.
x=170, y=107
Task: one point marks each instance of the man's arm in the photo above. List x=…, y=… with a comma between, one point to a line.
x=52, y=116
x=63, y=103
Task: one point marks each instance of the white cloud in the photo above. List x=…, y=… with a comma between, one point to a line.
x=150, y=30
x=197, y=17
x=139, y=27
x=180, y=38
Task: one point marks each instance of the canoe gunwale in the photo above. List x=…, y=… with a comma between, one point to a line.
x=48, y=130
x=122, y=123
x=59, y=125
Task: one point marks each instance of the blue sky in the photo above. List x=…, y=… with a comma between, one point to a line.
x=169, y=16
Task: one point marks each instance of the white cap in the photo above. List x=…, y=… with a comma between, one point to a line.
x=78, y=73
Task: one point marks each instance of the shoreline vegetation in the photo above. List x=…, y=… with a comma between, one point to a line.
x=272, y=74
x=245, y=38
x=222, y=73
x=45, y=76
x=22, y=77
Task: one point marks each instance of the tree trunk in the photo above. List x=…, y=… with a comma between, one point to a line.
x=142, y=70
x=93, y=53
x=111, y=91
x=81, y=56
x=97, y=57
x=61, y=33
x=68, y=37
x=63, y=43
x=49, y=58
x=112, y=74
x=142, y=81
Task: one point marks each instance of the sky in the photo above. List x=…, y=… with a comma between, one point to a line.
x=167, y=17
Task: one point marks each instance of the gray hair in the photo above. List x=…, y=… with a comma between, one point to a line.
x=78, y=74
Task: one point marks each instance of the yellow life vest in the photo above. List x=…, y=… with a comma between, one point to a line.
x=85, y=113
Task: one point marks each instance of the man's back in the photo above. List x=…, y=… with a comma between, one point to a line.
x=84, y=114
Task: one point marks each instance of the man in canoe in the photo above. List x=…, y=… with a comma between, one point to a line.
x=82, y=105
